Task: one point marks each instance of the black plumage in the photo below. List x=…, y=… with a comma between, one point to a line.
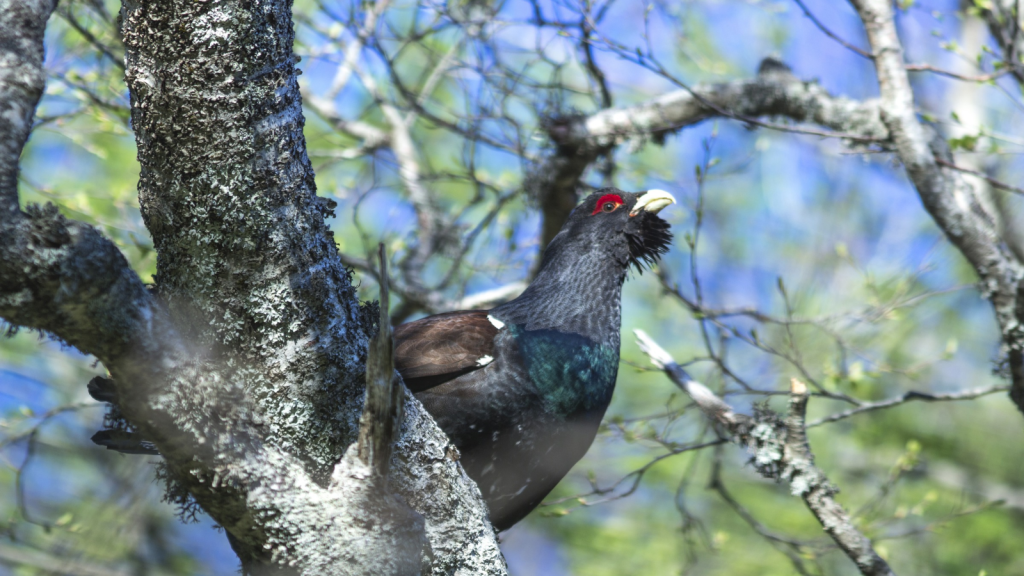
x=522, y=388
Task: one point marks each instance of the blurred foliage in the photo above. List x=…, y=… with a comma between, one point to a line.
x=864, y=296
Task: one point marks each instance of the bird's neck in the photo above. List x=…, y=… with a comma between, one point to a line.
x=578, y=293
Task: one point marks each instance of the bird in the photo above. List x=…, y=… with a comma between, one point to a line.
x=521, y=389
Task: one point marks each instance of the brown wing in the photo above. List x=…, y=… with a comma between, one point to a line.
x=439, y=348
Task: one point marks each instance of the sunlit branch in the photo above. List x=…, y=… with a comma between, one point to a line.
x=781, y=452
x=580, y=140
x=947, y=196
x=108, y=52
x=909, y=397
x=353, y=50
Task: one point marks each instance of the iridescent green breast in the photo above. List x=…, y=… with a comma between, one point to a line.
x=571, y=373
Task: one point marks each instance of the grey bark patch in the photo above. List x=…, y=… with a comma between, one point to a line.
x=245, y=368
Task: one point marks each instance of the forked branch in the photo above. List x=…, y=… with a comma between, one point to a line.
x=781, y=452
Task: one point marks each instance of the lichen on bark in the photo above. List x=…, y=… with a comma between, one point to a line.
x=244, y=363
x=246, y=259
x=227, y=192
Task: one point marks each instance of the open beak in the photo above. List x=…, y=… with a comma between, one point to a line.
x=652, y=201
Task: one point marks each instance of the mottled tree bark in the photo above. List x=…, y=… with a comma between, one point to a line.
x=245, y=364
x=245, y=258
x=21, y=85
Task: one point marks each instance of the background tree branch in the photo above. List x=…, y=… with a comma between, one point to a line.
x=580, y=140
x=951, y=201
x=781, y=452
x=21, y=85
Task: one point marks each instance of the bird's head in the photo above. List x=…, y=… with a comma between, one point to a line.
x=622, y=226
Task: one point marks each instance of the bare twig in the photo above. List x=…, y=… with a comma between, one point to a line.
x=352, y=51
x=631, y=480
x=430, y=221
x=909, y=397
x=790, y=547
x=1002, y=18
x=977, y=78
x=994, y=182
x=325, y=105
x=774, y=92
x=781, y=452
x=116, y=60
x=830, y=34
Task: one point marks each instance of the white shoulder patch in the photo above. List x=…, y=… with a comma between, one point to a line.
x=497, y=323
x=484, y=360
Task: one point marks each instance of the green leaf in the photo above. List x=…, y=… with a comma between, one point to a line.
x=967, y=142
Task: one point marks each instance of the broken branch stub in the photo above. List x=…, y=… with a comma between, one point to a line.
x=382, y=411
x=780, y=452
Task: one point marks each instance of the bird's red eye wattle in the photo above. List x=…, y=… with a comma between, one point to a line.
x=607, y=203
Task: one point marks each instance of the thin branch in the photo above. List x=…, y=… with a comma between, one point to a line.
x=977, y=78
x=791, y=548
x=909, y=397
x=634, y=478
x=352, y=51
x=994, y=182
x=781, y=452
x=830, y=34
x=326, y=107
x=432, y=81
x=769, y=68
x=1002, y=16
x=773, y=92
x=91, y=38
x=429, y=219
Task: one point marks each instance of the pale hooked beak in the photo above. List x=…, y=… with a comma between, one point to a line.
x=652, y=201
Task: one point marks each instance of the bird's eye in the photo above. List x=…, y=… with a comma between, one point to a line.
x=607, y=203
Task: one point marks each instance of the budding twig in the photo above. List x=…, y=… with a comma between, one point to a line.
x=781, y=452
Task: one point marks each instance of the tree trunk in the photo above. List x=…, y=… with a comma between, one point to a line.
x=245, y=363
